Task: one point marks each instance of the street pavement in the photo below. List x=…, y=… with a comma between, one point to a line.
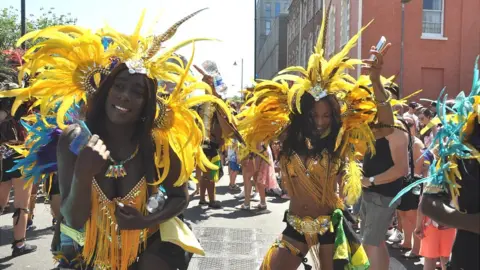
x=232, y=238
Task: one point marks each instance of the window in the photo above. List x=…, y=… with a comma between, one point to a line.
x=345, y=22
x=277, y=9
x=331, y=32
x=268, y=10
x=433, y=14
x=268, y=27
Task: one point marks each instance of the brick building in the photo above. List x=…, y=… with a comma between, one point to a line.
x=442, y=39
x=272, y=56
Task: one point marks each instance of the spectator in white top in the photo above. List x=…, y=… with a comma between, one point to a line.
x=412, y=108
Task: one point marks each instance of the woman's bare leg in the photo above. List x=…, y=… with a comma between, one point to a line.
x=283, y=259
x=261, y=192
x=407, y=232
x=203, y=186
x=326, y=256
x=247, y=186
x=410, y=218
x=444, y=261
x=5, y=188
x=429, y=264
x=233, y=176
x=55, y=205
x=211, y=190
x=21, y=201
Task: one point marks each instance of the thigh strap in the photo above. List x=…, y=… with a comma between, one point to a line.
x=293, y=250
x=16, y=214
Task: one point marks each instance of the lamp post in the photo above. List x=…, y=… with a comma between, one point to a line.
x=402, y=47
x=241, y=73
x=22, y=20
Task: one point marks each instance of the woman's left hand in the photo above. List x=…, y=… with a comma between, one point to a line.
x=374, y=67
x=129, y=218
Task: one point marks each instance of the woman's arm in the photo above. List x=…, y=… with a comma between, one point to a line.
x=434, y=207
x=75, y=182
x=177, y=200
x=384, y=110
x=418, y=157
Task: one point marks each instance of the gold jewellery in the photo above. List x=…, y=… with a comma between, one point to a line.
x=117, y=170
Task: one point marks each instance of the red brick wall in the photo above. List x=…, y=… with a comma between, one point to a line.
x=428, y=63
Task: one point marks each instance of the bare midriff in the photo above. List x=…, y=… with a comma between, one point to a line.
x=303, y=205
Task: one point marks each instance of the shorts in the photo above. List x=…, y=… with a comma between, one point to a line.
x=409, y=202
x=437, y=243
x=233, y=165
x=52, y=187
x=326, y=239
x=173, y=255
x=376, y=216
x=6, y=165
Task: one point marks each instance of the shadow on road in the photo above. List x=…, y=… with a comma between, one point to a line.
x=6, y=234
x=5, y=266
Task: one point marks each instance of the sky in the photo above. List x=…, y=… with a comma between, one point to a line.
x=230, y=21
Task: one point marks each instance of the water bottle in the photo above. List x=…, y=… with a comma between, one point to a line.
x=156, y=202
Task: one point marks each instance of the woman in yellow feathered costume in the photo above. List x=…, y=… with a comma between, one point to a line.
x=322, y=120
x=114, y=213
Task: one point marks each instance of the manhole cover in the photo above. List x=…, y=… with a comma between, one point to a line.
x=211, y=234
x=223, y=264
x=241, y=249
x=241, y=235
x=213, y=248
x=231, y=249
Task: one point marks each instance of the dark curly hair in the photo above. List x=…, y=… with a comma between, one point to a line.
x=303, y=126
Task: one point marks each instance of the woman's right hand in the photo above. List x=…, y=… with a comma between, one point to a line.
x=92, y=158
x=419, y=232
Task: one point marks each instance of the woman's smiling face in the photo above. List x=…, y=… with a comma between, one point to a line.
x=126, y=98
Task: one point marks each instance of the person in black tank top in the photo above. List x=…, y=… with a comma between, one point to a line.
x=379, y=163
x=383, y=178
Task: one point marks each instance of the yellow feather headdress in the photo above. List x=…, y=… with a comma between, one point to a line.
x=272, y=103
x=69, y=63
x=177, y=126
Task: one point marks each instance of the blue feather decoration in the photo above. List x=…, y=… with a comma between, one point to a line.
x=449, y=140
x=41, y=143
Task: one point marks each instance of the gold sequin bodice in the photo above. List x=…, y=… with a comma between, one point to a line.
x=317, y=177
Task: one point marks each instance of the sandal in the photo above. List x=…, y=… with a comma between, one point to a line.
x=410, y=255
x=261, y=206
x=244, y=207
x=202, y=202
x=234, y=187
x=215, y=205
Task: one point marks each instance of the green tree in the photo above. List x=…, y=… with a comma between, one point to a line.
x=10, y=24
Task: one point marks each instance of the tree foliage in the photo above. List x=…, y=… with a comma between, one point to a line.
x=10, y=27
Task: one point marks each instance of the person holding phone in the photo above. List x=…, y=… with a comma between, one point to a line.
x=317, y=158
x=384, y=171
